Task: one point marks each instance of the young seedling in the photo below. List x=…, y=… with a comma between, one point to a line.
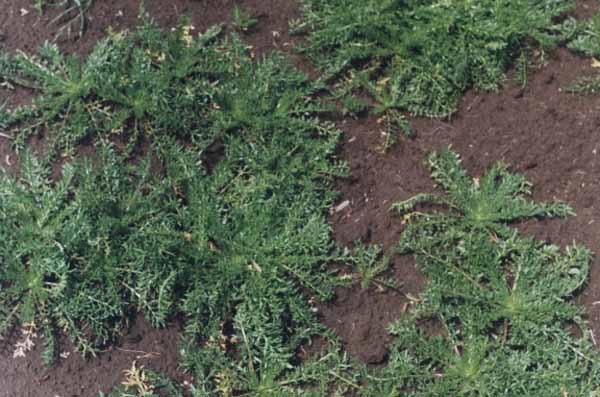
x=370, y=263
x=243, y=20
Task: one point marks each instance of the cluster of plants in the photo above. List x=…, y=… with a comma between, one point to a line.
x=207, y=193
x=499, y=304
x=206, y=197
x=393, y=56
x=328, y=373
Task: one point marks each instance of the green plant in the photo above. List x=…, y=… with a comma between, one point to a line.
x=586, y=86
x=369, y=263
x=325, y=373
x=140, y=80
x=584, y=37
x=243, y=20
x=216, y=211
x=522, y=67
x=503, y=301
x=422, y=55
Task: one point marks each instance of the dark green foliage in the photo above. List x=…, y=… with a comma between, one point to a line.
x=222, y=220
x=80, y=254
x=259, y=223
x=583, y=36
x=423, y=55
x=503, y=301
x=327, y=373
x=506, y=317
x=141, y=79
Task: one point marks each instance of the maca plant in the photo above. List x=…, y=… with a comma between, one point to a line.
x=138, y=79
x=507, y=325
x=582, y=36
x=487, y=203
x=259, y=224
x=420, y=56
x=220, y=219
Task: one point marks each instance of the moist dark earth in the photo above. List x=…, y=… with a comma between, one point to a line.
x=542, y=131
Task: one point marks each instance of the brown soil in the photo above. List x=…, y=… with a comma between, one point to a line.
x=27, y=32
x=541, y=131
